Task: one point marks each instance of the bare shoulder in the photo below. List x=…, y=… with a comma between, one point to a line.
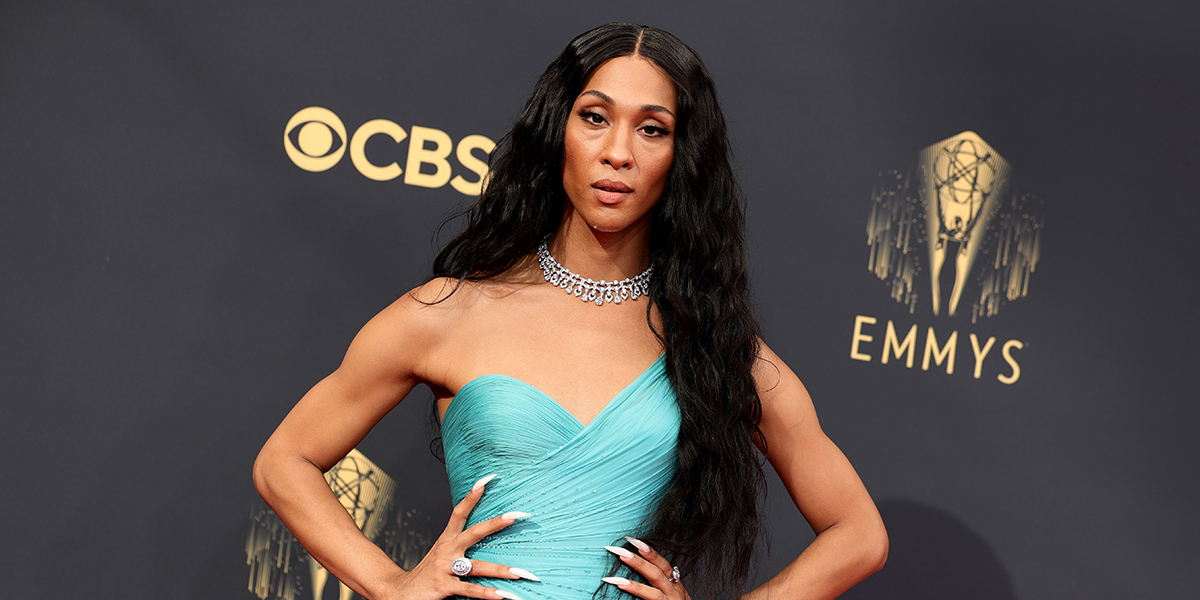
x=432, y=306
x=436, y=291
x=775, y=379
x=405, y=337
x=786, y=403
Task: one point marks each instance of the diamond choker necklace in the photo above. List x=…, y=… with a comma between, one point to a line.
x=589, y=290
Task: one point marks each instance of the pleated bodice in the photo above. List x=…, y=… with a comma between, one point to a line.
x=585, y=486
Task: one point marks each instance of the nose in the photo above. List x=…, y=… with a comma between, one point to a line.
x=618, y=150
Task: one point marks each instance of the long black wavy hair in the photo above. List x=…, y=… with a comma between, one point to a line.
x=709, y=520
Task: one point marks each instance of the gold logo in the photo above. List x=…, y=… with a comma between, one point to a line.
x=315, y=139
x=314, y=149
x=960, y=209
x=276, y=559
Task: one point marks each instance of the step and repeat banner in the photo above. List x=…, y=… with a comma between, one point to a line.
x=972, y=230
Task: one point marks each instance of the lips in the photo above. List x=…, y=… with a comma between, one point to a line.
x=611, y=192
x=611, y=186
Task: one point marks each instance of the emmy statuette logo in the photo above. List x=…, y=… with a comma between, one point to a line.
x=956, y=221
x=277, y=560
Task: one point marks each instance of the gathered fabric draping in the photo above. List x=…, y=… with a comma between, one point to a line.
x=586, y=486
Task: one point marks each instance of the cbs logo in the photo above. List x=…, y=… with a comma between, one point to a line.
x=315, y=139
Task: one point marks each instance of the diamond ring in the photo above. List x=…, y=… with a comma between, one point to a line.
x=460, y=566
x=674, y=578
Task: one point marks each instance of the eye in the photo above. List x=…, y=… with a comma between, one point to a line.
x=592, y=118
x=655, y=131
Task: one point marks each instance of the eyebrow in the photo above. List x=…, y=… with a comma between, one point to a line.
x=645, y=107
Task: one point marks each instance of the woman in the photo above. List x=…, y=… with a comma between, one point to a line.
x=614, y=184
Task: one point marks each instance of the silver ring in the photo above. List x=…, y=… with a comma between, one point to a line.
x=674, y=578
x=460, y=566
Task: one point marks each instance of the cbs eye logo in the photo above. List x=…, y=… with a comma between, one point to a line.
x=315, y=139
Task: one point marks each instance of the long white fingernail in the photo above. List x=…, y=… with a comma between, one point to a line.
x=617, y=581
x=639, y=544
x=623, y=553
x=523, y=574
x=483, y=482
x=513, y=515
x=508, y=595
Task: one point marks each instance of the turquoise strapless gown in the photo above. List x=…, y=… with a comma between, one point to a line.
x=586, y=486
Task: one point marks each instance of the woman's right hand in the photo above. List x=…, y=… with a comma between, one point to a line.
x=432, y=578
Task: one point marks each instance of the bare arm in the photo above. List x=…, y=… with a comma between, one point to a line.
x=851, y=540
x=378, y=371
x=384, y=362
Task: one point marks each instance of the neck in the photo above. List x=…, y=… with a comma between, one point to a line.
x=601, y=255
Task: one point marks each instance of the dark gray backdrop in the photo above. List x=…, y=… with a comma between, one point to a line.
x=170, y=282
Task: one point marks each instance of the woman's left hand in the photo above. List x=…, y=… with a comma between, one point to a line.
x=664, y=582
